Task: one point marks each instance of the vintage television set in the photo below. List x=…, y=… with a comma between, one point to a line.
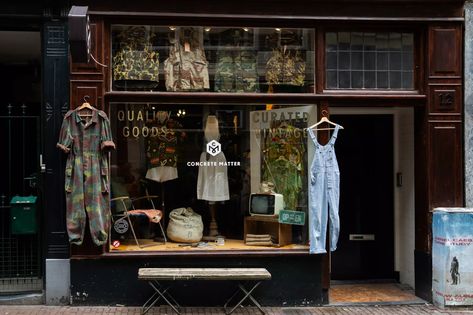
x=266, y=204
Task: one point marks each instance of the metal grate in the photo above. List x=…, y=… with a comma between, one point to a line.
x=20, y=260
x=19, y=257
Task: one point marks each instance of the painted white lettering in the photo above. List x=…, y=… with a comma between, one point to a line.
x=126, y=132
x=121, y=115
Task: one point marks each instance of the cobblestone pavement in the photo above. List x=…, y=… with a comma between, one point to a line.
x=331, y=310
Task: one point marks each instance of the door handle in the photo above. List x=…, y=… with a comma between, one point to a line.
x=362, y=237
x=41, y=164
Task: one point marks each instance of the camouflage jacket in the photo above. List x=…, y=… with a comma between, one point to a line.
x=236, y=70
x=285, y=67
x=186, y=69
x=136, y=59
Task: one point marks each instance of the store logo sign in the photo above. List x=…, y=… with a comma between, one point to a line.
x=214, y=148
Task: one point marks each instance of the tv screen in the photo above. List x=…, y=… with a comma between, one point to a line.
x=262, y=204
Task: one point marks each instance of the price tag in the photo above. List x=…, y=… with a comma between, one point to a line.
x=187, y=47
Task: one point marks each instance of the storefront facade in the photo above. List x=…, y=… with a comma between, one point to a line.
x=390, y=73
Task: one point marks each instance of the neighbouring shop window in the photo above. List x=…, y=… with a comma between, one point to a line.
x=362, y=60
x=229, y=169
x=213, y=59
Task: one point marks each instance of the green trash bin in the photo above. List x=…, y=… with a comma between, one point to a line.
x=23, y=215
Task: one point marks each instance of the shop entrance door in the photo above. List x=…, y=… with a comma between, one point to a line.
x=365, y=155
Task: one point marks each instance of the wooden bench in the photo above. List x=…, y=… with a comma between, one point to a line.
x=156, y=275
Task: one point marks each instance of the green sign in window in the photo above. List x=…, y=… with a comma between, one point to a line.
x=292, y=217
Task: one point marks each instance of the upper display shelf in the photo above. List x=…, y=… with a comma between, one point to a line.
x=212, y=59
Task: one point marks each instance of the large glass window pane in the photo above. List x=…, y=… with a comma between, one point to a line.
x=370, y=60
x=382, y=81
x=357, y=41
x=344, y=79
x=331, y=41
x=394, y=61
x=407, y=62
x=395, y=79
x=357, y=79
x=344, y=41
x=332, y=60
x=212, y=59
x=344, y=60
x=357, y=60
x=407, y=80
x=370, y=78
x=382, y=61
x=332, y=80
x=210, y=162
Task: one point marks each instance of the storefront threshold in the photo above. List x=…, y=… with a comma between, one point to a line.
x=372, y=293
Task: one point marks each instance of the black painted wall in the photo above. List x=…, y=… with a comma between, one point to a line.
x=55, y=104
x=296, y=281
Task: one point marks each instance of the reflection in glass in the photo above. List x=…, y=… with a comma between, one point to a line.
x=215, y=59
x=162, y=150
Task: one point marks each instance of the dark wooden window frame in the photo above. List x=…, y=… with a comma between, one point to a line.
x=320, y=96
x=384, y=28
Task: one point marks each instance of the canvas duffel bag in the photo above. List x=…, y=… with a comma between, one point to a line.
x=185, y=226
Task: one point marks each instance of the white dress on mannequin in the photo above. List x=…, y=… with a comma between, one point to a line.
x=212, y=181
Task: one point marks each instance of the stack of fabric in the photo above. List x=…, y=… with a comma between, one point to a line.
x=259, y=240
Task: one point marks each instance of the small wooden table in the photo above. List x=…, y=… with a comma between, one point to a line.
x=154, y=275
x=257, y=224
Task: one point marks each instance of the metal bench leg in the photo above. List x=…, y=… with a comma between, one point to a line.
x=145, y=308
x=153, y=299
x=156, y=287
x=247, y=295
x=252, y=298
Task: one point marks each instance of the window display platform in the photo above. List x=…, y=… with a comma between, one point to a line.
x=150, y=245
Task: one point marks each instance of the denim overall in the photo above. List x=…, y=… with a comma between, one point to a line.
x=324, y=195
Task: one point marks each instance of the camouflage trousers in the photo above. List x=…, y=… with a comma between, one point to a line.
x=87, y=197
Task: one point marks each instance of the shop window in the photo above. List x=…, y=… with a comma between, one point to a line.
x=357, y=60
x=215, y=160
x=212, y=59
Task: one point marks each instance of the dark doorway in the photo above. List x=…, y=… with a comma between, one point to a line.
x=20, y=136
x=365, y=156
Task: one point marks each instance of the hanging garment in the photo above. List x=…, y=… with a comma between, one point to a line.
x=236, y=70
x=285, y=67
x=324, y=195
x=136, y=62
x=87, y=179
x=186, y=68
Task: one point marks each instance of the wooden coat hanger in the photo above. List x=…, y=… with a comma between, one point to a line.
x=324, y=119
x=86, y=105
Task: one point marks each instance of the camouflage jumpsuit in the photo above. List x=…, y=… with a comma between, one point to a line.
x=87, y=180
